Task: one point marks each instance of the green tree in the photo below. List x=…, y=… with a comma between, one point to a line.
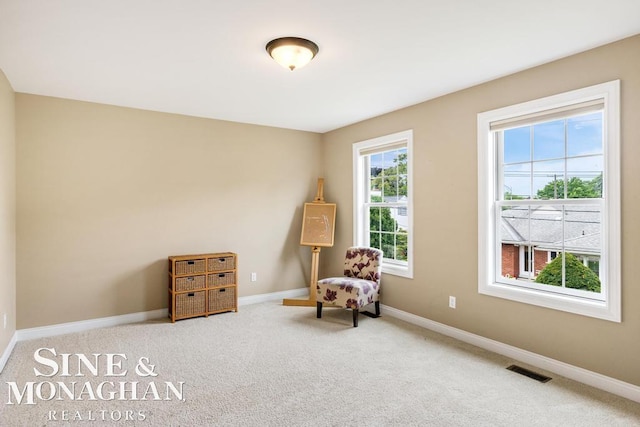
x=577, y=275
x=576, y=189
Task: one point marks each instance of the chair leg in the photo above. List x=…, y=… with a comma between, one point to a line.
x=377, y=304
x=319, y=310
x=355, y=318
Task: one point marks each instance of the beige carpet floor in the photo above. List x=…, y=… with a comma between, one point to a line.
x=270, y=365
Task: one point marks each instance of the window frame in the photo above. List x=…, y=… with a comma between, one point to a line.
x=360, y=192
x=488, y=168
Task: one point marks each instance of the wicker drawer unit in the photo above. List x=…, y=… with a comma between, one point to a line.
x=204, y=284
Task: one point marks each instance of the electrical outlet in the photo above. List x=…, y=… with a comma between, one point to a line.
x=254, y=277
x=452, y=302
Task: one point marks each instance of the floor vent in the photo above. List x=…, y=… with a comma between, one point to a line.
x=533, y=375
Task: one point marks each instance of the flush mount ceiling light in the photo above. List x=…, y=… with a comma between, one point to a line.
x=292, y=52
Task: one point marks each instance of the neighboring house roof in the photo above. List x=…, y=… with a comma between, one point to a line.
x=545, y=227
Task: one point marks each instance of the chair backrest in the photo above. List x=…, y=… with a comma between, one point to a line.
x=363, y=263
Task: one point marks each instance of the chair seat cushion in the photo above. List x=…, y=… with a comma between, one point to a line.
x=349, y=292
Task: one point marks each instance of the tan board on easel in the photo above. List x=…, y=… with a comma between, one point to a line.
x=318, y=224
x=318, y=229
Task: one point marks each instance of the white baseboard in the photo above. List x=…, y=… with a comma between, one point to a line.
x=255, y=299
x=103, y=322
x=7, y=351
x=85, y=325
x=611, y=385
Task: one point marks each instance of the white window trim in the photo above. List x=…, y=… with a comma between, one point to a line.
x=359, y=214
x=610, y=308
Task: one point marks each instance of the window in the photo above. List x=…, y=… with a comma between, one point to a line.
x=549, y=202
x=383, y=199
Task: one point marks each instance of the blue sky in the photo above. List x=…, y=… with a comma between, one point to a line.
x=584, y=157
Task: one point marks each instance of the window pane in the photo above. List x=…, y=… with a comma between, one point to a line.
x=387, y=220
x=374, y=240
x=582, y=230
x=402, y=188
x=375, y=190
x=374, y=219
x=401, y=158
x=401, y=247
x=376, y=164
x=390, y=166
x=517, y=181
x=391, y=188
x=548, y=140
x=517, y=145
x=375, y=183
x=548, y=179
x=514, y=225
x=388, y=245
x=402, y=219
x=584, y=134
x=584, y=176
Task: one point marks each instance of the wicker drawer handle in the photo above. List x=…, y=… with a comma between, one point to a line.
x=221, y=275
x=190, y=279
x=221, y=259
x=190, y=262
x=223, y=290
x=191, y=294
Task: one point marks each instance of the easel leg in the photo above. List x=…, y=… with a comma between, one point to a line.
x=313, y=284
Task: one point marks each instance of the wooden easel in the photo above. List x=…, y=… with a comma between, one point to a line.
x=315, y=253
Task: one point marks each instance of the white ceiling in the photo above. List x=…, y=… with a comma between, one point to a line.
x=207, y=58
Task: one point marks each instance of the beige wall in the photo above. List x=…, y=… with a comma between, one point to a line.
x=106, y=193
x=7, y=213
x=445, y=194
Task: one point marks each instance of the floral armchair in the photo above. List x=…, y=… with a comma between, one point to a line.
x=360, y=285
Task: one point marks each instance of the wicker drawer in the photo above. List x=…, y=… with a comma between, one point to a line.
x=221, y=263
x=191, y=303
x=192, y=266
x=222, y=299
x=190, y=283
x=221, y=279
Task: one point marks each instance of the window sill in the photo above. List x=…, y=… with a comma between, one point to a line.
x=568, y=303
x=397, y=270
